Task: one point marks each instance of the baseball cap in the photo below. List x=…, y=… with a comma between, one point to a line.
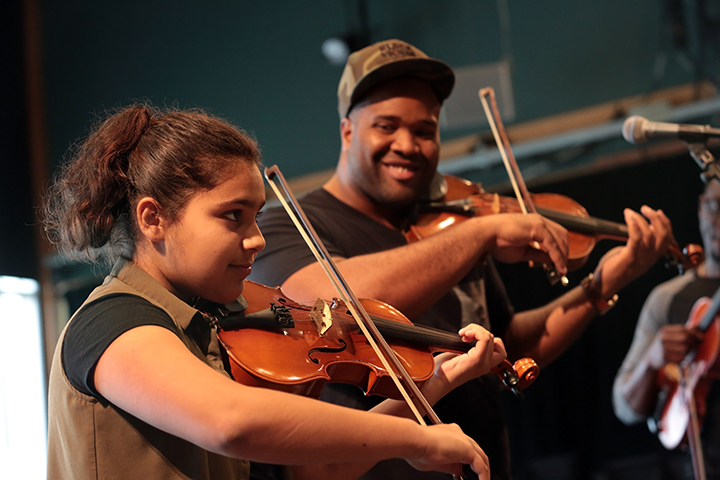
x=388, y=59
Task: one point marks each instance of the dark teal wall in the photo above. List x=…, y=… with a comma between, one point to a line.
x=259, y=63
x=255, y=63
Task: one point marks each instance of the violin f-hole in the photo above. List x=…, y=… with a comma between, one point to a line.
x=326, y=350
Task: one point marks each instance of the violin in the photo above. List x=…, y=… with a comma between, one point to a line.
x=682, y=402
x=274, y=342
x=463, y=199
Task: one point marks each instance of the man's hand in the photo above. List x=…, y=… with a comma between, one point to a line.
x=529, y=237
x=672, y=344
x=649, y=237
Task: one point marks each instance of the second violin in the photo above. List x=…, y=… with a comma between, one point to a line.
x=463, y=199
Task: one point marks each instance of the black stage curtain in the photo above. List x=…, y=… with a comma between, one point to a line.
x=17, y=215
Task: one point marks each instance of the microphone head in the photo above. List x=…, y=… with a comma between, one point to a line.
x=633, y=129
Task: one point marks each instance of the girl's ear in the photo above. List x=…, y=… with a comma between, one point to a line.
x=149, y=219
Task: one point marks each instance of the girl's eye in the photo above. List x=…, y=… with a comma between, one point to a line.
x=259, y=214
x=234, y=215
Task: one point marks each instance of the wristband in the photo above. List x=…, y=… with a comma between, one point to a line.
x=592, y=287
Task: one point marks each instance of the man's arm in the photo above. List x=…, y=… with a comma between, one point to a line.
x=547, y=332
x=636, y=386
x=414, y=277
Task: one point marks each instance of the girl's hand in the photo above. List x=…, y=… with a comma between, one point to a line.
x=452, y=370
x=447, y=449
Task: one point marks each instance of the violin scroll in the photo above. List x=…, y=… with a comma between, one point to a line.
x=527, y=370
x=517, y=376
x=690, y=257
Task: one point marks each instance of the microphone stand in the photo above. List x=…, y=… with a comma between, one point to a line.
x=705, y=160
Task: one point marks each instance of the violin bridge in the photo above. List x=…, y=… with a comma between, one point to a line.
x=322, y=316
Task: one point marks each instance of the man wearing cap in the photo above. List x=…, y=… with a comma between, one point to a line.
x=389, y=102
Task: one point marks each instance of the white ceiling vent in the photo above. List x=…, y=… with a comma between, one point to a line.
x=464, y=109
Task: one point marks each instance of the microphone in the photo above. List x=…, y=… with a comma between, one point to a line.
x=638, y=129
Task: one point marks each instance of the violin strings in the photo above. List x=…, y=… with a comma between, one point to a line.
x=415, y=335
x=420, y=335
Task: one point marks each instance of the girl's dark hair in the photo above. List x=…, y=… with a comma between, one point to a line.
x=139, y=151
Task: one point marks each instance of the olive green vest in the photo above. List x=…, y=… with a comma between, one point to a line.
x=90, y=439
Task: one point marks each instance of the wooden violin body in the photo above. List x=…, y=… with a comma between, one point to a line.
x=466, y=199
x=279, y=344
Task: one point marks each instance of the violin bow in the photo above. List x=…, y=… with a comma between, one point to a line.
x=414, y=398
x=487, y=97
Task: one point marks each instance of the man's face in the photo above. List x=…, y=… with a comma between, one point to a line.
x=392, y=142
x=708, y=215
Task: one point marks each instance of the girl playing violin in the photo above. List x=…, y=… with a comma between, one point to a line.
x=138, y=385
